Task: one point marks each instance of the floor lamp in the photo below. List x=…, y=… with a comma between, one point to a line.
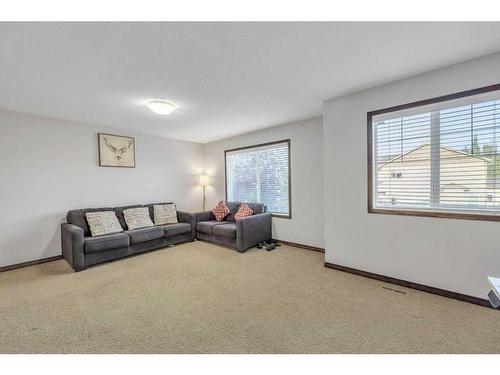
x=204, y=181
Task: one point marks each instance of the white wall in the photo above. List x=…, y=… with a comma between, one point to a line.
x=49, y=167
x=306, y=225
x=451, y=254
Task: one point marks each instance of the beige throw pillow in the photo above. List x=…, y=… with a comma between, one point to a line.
x=137, y=218
x=165, y=214
x=103, y=222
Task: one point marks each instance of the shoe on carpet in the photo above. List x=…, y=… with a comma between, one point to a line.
x=270, y=246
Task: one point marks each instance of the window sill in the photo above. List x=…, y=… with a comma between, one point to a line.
x=435, y=214
x=282, y=216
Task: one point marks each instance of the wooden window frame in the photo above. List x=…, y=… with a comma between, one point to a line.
x=473, y=215
x=287, y=141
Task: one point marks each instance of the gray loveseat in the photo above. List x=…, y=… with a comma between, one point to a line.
x=81, y=250
x=240, y=234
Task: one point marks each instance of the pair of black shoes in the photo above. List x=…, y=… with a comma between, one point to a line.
x=268, y=245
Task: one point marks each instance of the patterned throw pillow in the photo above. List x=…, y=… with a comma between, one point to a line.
x=220, y=211
x=243, y=211
x=165, y=214
x=137, y=218
x=103, y=222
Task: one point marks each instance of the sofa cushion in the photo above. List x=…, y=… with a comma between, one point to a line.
x=225, y=230
x=233, y=209
x=257, y=208
x=137, y=218
x=208, y=226
x=243, y=211
x=164, y=214
x=106, y=242
x=151, y=206
x=104, y=222
x=145, y=234
x=220, y=211
x=176, y=229
x=77, y=217
x=119, y=214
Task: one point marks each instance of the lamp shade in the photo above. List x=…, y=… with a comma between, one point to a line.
x=204, y=180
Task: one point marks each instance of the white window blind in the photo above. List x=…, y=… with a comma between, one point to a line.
x=260, y=174
x=440, y=157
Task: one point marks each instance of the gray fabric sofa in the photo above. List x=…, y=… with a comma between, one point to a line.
x=81, y=250
x=240, y=234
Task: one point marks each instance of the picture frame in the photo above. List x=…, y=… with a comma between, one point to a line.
x=116, y=150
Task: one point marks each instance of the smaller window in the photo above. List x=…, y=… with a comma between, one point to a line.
x=260, y=173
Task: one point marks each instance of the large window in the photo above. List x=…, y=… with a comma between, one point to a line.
x=260, y=174
x=437, y=157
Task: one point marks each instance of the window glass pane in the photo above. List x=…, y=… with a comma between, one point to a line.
x=259, y=174
x=243, y=177
x=403, y=161
x=468, y=176
x=441, y=156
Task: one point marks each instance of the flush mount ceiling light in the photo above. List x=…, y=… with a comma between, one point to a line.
x=161, y=107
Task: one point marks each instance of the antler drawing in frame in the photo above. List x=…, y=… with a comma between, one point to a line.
x=116, y=151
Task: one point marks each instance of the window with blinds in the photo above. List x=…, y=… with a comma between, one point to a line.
x=260, y=174
x=441, y=157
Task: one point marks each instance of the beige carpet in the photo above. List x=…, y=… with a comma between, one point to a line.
x=202, y=298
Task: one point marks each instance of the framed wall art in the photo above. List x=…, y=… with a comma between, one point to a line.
x=116, y=150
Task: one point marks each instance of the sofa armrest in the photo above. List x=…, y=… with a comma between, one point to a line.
x=253, y=229
x=72, y=246
x=187, y=217
x=204, y=216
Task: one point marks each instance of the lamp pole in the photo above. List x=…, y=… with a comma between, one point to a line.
x=204, y=198
x=204, y=181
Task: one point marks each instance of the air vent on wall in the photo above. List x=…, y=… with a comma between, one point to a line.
x=402, y=292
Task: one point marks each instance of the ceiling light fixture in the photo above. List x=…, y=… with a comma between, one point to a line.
x=161, y=107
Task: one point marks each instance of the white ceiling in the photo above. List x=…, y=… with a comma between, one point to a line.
x=226, y=78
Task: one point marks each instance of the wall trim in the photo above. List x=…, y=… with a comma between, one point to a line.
x=412, y=285
x=30, y=263
x=307, y=247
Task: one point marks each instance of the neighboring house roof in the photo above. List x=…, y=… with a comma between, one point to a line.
x=442, y=148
